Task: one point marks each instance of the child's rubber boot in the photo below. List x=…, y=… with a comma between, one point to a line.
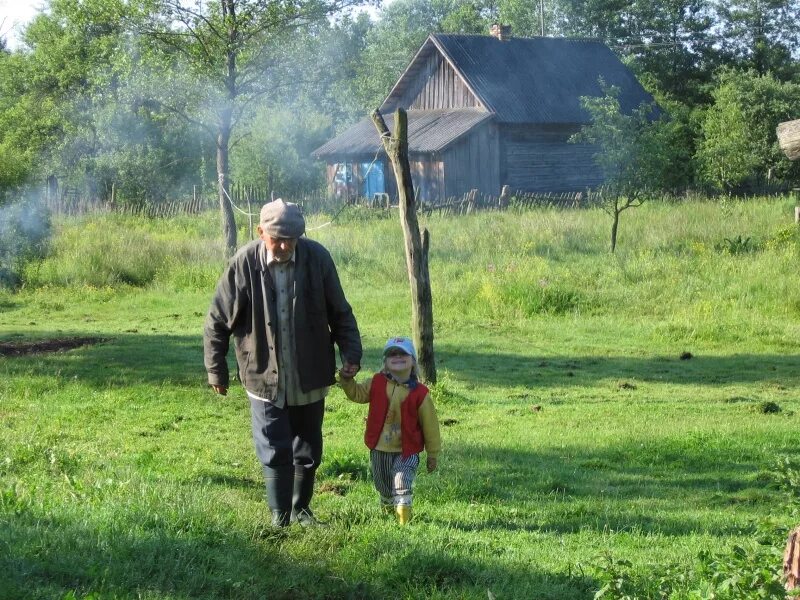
x=403, y=514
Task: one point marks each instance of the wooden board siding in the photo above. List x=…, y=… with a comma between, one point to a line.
x=542, y=160
x=438, y=86
x=473, y=162
x=427, y=175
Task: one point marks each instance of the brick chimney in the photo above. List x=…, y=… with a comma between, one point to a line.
x=501, y=32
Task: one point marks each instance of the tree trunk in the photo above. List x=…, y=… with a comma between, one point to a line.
x=223, y=183
x=614, y=226
x=416, y=246
x=225, y=127
x=789, y=138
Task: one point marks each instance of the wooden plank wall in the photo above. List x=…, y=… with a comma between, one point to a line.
x=542, y=160
x=428, y=177
x=438, y=86
x=473, y=163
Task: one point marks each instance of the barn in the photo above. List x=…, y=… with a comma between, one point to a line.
x=483, y=112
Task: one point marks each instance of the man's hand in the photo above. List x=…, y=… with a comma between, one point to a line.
x=432, y=464
x=349, y=370
x=222, y=390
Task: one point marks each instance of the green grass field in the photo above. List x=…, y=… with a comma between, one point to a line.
x=609, y=422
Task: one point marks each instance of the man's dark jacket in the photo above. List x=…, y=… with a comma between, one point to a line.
x=244, y=307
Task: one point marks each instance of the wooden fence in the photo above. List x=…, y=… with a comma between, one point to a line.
x=83, y=206
x=248, y=200
x=473, y=201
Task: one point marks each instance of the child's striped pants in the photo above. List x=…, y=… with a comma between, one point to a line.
x=393, y=476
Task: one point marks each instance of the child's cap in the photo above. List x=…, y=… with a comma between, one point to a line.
x=402, y=343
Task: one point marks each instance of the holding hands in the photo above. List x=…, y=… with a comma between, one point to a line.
x=349, y=370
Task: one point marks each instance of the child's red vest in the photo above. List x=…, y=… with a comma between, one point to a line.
x=410, y=430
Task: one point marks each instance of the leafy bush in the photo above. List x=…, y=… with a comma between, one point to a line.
x=744, y=572
x=24, y=236
x=738, y=131
x=752, y=570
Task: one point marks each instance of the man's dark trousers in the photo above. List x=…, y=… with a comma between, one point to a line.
x=288, y=442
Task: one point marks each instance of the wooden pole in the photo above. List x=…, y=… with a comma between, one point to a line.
x=416, y=245
x=250, y=213
x=791, y=561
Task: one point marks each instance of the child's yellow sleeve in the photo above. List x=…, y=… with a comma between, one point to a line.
x=430, y=427
x=357, y=392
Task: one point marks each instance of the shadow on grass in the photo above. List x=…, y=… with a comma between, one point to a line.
x=664, y=487
x=129, y=359
x=46, y=557
x=51, y=558
x=532, y=371
x=120, y=360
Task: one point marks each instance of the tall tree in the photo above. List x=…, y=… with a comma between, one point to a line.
x=70, y=108
x=51, y=90
x=230, y=46
x=671, y=41
x=761, y=34
x=606, y=20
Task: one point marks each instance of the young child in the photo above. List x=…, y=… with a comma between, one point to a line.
x=401, y=422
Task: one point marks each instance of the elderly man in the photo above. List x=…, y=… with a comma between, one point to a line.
x=281, y=300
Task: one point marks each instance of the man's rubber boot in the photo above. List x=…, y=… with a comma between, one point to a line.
x=403, y=514
x=279, y=481
x=301, y=498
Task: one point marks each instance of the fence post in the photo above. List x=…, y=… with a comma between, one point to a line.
x=471, y=200
x=505, y=196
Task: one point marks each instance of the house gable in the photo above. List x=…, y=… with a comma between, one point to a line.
x=431, y=82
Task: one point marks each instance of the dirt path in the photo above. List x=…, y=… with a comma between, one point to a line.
x=21, y=348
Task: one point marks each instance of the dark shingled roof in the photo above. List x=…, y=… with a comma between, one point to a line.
x=529, y=80
x=428, y=131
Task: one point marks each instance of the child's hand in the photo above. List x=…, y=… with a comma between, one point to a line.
x=432, y=464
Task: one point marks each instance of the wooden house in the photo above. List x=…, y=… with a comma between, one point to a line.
x=483, y=112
